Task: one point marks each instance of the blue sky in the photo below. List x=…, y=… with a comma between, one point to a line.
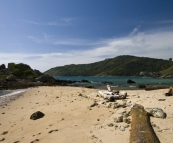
x=50, y=33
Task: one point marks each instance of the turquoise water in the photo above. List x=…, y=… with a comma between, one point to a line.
x=118, y=81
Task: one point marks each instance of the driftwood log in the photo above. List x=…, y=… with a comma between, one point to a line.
x=156, y=88
x=141, y=129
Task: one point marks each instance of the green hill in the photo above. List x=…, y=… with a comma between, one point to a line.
x=20, y=70
x=168, y=72
x=118, y=66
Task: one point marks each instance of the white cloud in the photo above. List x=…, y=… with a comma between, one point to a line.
x=155, y=44
x=60, y=22
x=135, y=30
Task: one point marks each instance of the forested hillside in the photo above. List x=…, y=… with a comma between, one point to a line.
x=118, y=66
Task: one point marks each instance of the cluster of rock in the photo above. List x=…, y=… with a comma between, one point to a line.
x=150, y=74
x=155, y=74
x=9, y=80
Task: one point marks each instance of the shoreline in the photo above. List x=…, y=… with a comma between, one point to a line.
x=13, y=95
x=69, y=116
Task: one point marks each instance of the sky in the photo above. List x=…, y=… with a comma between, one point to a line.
x=49, y=33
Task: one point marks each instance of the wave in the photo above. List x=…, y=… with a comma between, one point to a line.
x=13, y=92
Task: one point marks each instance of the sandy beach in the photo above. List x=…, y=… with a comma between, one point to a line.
x=71, y=116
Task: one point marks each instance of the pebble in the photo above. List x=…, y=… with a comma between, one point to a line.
x=119, y=119
x=2, y=139
x=110, y=125
x=4, y=133
x=122, y=128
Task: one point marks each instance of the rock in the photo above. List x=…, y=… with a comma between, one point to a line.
x=94, y=104
x=89, y=86
x=122, y=128
x=141, y=86
x=161, y=99
x=126, y=126
x=80, y=94
x=2, y=67
x=122, y=95
x=2, y=139
x=110, y=125
x=45, y=78
x=17, y=142
x=11, y=77
x=52, y=131
x=102, y=102
x=170, y=92
x=4, y=133
x=34, y=141
x=116, y=126
x=36, y=115
x=156, y=112
x=130, y=81
x=119, y=119
x=84, y=80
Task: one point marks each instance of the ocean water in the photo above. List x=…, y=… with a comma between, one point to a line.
x=118, y=82
x=4, y=93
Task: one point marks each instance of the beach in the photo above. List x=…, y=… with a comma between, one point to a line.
x=71, y=115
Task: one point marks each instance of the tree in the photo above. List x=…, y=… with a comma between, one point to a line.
x=170, y=59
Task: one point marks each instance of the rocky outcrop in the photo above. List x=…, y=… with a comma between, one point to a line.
x=19, y=76
x=150, y=74
x=2, y=66
x=130, y=81
x=11, y=77
x=45, y=78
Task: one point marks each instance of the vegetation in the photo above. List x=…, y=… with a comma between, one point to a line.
x=168, y=71
x=21, y=70
x=118, y=66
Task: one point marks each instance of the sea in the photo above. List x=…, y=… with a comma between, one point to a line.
x=5, y=93
x=117, y=82
x=100, y=82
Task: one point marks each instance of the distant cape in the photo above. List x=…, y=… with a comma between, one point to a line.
x=125, y=65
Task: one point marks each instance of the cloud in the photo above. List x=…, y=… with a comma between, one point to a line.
x=58, y=41
x=155, y=44
x=60, y=22
x=135, y=30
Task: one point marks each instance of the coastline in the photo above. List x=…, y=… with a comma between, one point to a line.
x=69, y=117
x=10, y=96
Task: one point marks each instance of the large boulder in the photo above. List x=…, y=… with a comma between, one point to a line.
x=130, y=81
x=45, y=78
x=11, y=77
x=37, y=115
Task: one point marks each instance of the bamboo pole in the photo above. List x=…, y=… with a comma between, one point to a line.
x=141, y=129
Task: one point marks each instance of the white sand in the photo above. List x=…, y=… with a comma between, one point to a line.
x=70, y=119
